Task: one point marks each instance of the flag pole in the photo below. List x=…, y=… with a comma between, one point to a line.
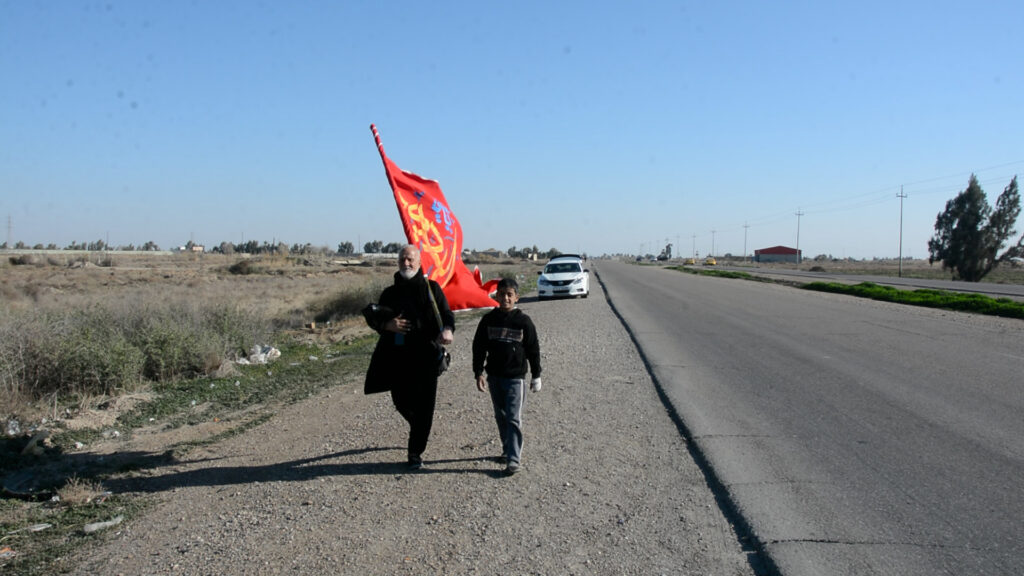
x=391, y=177
x=383, y=157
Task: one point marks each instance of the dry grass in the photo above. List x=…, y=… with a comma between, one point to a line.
x=292, y=292
x=282, y=287
x=77, y=492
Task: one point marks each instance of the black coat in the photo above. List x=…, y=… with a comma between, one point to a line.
x=411, y=357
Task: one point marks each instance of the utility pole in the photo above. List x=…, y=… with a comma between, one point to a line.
x=712, y=244
x=798, y=215
x=694, y=251
x=745, y=226
x=9, y=245
x=901, y=196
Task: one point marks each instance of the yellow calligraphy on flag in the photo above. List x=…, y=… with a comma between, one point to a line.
x=437, y=252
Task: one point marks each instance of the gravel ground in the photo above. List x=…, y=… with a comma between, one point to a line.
x=607, y=486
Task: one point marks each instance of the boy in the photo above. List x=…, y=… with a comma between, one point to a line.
x=507, y=340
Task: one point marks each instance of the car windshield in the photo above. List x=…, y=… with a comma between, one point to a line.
x=562, y=268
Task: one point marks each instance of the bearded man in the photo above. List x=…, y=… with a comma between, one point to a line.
x=414, y=322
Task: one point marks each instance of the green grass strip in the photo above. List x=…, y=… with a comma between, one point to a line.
x=977, y=303
x=720, y=273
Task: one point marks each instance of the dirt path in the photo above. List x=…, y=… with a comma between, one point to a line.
x=608, y=486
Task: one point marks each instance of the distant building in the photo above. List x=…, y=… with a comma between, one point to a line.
x=777, y=254
x=490, y=252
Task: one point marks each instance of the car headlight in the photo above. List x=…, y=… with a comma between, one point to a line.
x=542, y=282
x=578, y=280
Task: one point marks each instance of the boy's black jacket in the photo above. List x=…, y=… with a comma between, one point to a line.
x=508, y=342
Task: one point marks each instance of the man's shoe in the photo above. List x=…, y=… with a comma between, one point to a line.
x=512, y=468
x=415, y=463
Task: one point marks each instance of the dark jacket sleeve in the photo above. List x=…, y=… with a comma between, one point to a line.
x=532, y=346
x=447, y=317
x=480, y=347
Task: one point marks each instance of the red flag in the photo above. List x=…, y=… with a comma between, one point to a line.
x=431, y=226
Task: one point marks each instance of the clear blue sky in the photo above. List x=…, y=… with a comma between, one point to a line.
x=599, y=127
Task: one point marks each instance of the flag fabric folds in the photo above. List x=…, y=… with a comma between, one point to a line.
x=431, y=226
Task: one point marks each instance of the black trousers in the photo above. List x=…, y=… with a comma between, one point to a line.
x=415, y=398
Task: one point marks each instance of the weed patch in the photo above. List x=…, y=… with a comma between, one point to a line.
x=41, y=538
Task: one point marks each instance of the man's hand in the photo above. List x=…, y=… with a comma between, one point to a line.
x=535, y=384
x=445, y=337
x=398, y=325
x=481, y=382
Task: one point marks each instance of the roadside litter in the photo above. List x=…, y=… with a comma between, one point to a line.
x=260, y=355
x=96, y=526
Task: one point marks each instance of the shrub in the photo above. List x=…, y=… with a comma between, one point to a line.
x=348, y=303
x=183, y=339
x=89, y=361
x=107, y=349
x=24, y=260
x=242, y=267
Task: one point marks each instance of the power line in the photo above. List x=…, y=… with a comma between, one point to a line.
x=882, y=196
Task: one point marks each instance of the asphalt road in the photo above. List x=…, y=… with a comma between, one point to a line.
x=853, y=436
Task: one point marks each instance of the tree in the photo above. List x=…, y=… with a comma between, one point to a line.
x=346, y=248
x=666, y=254
x=373, y=247
x=969, y=234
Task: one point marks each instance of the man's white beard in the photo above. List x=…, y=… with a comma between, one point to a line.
x=407, y=273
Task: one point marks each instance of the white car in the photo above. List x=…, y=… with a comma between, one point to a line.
x=564, y=276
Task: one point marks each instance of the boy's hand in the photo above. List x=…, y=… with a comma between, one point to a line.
x=481, y=382
x=535, y=384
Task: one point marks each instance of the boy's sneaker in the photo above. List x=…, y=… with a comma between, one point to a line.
x=512, y=468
